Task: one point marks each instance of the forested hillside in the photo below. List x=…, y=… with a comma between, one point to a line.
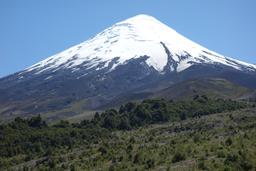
x=203, y=133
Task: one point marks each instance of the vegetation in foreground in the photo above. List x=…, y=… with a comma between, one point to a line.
x=152, y=135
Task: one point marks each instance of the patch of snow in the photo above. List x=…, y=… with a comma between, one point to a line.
x=49, y=77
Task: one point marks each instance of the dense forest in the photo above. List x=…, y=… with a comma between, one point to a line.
x=121, y=139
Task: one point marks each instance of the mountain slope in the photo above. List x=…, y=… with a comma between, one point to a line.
x=137, y=54
x=133, y=38
x=212, y=87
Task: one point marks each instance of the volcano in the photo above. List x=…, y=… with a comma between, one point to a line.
x=132, y=60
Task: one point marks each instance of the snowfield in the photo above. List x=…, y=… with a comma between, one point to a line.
x=135, y=37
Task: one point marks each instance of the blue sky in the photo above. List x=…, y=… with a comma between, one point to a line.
x=31, y=30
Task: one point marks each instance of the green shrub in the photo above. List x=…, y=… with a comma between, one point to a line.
x=229, y=141
x=178, y=156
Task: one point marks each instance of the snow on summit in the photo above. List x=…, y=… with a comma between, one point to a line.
x=135, y=37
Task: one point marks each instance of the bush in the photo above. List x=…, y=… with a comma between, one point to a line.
x=201, y=165
x=178, y=156
x=229, y=141
x=137, y=158
x=231, y=158
x=246, y=165
x=150, y=163
x=72, y=167
x=103, y=150
x=221, y=154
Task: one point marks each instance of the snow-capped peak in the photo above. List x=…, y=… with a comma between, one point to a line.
x=135, y=37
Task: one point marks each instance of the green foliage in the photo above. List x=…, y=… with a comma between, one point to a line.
x=228, y=141
x=134, y=115
x=103, y=150
x=125, y=139
x=62, y=124
x=72, y=167
x=33, y=136
x=178, y=156
x=36, y=122
x=150, y=163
